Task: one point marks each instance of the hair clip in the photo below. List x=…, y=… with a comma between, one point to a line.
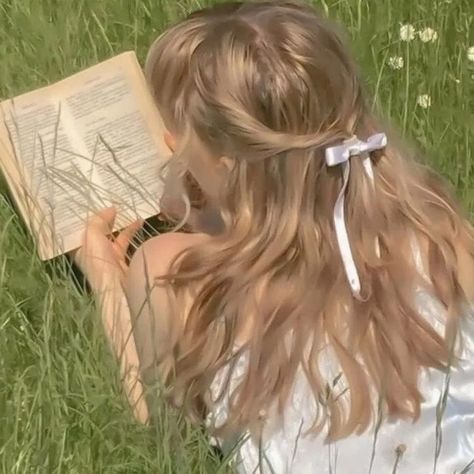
x=340, y=155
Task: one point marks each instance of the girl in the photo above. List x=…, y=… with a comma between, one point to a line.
x=327, y=325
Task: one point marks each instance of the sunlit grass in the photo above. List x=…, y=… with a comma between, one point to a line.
x=61, y=406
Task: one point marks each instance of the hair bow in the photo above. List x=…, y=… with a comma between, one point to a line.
x=340, y=155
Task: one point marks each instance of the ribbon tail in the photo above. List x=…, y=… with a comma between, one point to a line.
x=368, y=168
x=369, y=171
x=343, y=238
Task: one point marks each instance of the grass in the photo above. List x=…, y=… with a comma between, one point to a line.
x=61, y=407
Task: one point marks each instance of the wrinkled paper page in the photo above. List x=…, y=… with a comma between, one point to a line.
x=90, y=141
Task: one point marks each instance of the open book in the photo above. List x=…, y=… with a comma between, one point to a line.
x=90, y=141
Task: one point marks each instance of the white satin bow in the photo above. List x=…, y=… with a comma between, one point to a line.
x=340, y=155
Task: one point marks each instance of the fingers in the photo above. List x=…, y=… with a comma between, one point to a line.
x=103, y=220
x=123, y=239
x=101, y=225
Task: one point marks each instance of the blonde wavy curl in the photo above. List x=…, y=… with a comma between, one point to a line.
x=270, y=85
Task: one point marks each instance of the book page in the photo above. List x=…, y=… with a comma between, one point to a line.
x=87, y=142
x=39, y=140
x=118, y=142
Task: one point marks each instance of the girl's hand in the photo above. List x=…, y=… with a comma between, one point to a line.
x=102, y=258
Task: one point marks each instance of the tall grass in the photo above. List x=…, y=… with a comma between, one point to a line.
x=61, y=405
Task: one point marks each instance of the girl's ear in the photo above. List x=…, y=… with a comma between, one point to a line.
x=170, y=141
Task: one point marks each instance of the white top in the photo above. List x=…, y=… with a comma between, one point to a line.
x=400, y=447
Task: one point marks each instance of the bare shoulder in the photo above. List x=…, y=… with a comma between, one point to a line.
x=152, y=260
x=151, y=308
x=149, y=303
x=158, y=252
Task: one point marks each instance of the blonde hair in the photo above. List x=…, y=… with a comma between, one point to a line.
x=270, y=85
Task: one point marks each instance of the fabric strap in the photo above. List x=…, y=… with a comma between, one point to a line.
x=340, y=155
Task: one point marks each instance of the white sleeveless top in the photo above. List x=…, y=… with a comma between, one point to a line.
x=441, y=441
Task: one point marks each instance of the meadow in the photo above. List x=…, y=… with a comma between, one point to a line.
x=61, y=405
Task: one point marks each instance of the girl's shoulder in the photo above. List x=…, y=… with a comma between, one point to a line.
x=157, y=253
x=152, y=260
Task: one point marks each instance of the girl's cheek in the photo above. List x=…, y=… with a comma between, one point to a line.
x=207, y=178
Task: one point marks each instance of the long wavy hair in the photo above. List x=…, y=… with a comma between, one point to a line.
x=270, y=85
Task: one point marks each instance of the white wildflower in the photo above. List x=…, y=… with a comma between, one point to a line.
x=428, y=35
x=407, y=32
x=424, y=101
x=396, y=62
x=470, y=53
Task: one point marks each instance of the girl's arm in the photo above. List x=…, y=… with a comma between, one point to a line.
x=115, y=314
x=134, y=311
x=102, y=259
